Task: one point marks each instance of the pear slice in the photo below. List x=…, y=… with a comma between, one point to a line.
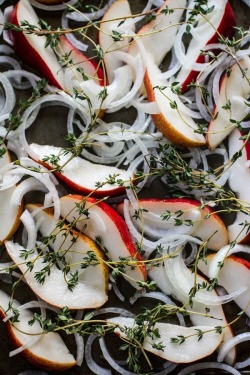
x=201, y=314
x=172, y=121
x=31, y=48
x=95, y=275
x=158, y=35
x=9, y=212
x=111, y=25
x=239, y=182
x=86, y=294
x=234, y=91
x=218, y=23
x=233, y=275
x=192, y=349
x=49, y=352
x=81, y=175
x=206, y=224
x=101, y=222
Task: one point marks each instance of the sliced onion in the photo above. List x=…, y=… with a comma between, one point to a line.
x=137, y=64
x=242, y=364
x=117, y=292
x=159, y=296
x=182, y=279
x=208, y=366
x=83, y=17
x=30, y=184
x=7, y=33
x=52, y=7
x=32, y=305
x=28, y=345
x=146, y=107
x=80, y=349
x=229, y=344
x=219, y=257
x=30, y=226
x=6, y=50
x=94, y=367
x=77, y=43
x=10, y=98
x=114, y=310
x=114, y=364
x=4, y=267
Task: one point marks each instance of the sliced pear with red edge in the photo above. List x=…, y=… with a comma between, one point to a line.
x=101, y=222
x=207, y=225
x=31, y=48
x=233, y=275
x=192, y=349
x=10, y=213
x=53, y=287
x=96, y=274
x=174, y=123
x=219, y=22
x=239, y=182
x=83, y=67
x=200, y=313
x=112, y=25
x=49, y=352
x=158, y=35
x=230, y=106
x=81, y=175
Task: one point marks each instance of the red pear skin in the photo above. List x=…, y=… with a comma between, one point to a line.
x=35, y=360
x=121, y=226
x=226, y=29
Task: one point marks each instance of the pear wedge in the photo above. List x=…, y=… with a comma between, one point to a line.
x=49, y=352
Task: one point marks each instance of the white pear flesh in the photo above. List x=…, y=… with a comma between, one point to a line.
x=163, y=28
x=54, y=290
x=49, y=352
x=111, y=22
x=174, y=123
x=233, y=275
x=239, y=182
x=112, y=231
x=167, y=283
x=25, y=12
x=10, y=213
x=74, y=246
x=207, y=28
x=208, y=228
x=80, y=173
x=190, y=350
x=235, y=89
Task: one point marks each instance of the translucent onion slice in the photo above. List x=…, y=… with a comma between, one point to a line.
x=77, y=43
x=52, y=7
x=229, y=344
x=1, y=21
x=208, y=366
x=30, y=184
x=94, y=367
x=80, y=349
x=32, y=341
x=219, y=257
x=10, y=98
x=30, y=226
x=83, y=17
x=6, y=50
x=158, y=296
